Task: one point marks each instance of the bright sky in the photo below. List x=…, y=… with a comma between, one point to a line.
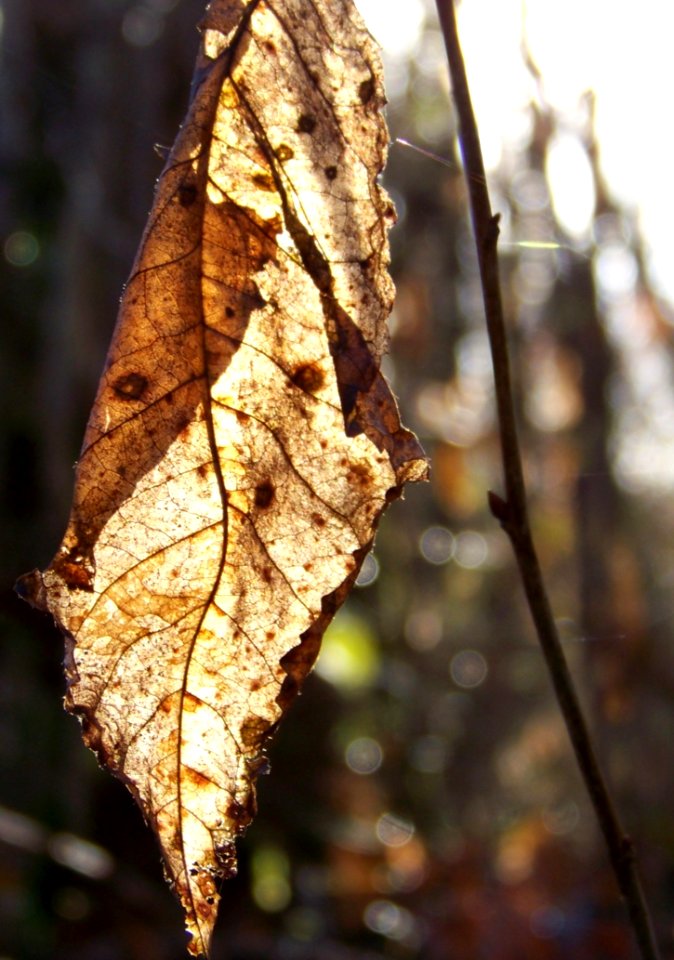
x=620, y=52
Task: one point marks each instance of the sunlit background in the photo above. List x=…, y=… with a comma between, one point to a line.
x=423, y=801
x=607, y=80
x=622, y=59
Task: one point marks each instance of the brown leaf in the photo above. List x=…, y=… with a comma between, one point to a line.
x=243, y=443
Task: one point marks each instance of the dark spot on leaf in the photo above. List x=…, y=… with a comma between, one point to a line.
x=306, y=123
x=202, y=909
x=318, y=520
x=202, y=470
x=229, y=312
x=264, y=181
x=266, y=574
x=253, y=730
x=236, y=812
x=255, y=685
x=275, y=224
x=366, y=90
x=359, y=474
x=269, y=47
x=187, y=194
x=331, y=172
x=225, y=854
x=210, y=900
x=308, y=377
x=264, y=494
x=73, y=570
x=241, y=416
x=196, y=778
x=182, y=424
x=284, y=152
x=130, y=386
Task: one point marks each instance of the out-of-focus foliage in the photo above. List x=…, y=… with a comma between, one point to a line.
x=424, y=801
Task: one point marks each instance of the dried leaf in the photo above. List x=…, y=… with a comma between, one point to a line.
x=243, y=443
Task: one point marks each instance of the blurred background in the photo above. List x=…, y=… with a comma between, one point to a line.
x=423, y=800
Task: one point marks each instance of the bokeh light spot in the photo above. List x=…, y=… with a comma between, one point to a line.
x=561, y=819
x=389, y=920
x=468, y=669
x=616, y=270
x=349, y=657
x=21, y=248
x=437, y=545
x=368, y=572
x=571, y=183
x=394, y=831
x=470, y=550
x=141, y=27
x=80, y=855
x=423, y=630
x=270, y=881
x=530, y=190
x=364, y=755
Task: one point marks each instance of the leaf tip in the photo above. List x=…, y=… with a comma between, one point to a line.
x=200, y=917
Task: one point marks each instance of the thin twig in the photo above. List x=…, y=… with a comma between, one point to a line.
x=512, y=512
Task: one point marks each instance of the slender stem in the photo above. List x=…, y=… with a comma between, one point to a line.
x=512, y=512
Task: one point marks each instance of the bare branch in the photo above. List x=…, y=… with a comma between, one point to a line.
x=512, y=512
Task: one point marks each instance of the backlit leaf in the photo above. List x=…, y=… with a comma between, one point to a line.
x=243, y=443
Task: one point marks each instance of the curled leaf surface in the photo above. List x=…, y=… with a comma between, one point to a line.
x=243, y=443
